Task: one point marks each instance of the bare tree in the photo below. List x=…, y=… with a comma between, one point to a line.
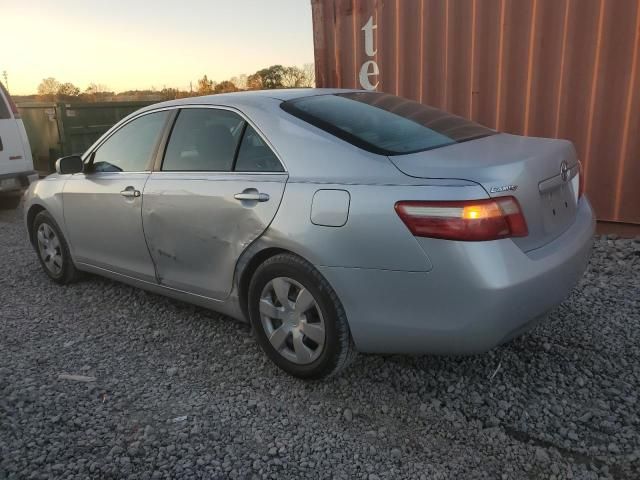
x=48, y=88
x=309, y=75
x=240, y=81
x=292, y=77
x=205, y=86
x=225, y=87
x=68, y=90
x=254, y=82
x=95, y=88
x=96, y=92
x=266, y=78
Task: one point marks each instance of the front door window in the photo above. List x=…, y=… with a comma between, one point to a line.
x=131, y=147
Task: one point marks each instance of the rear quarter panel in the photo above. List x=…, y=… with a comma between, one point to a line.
x=373, y=235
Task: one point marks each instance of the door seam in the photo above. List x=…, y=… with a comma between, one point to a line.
x=144, y=234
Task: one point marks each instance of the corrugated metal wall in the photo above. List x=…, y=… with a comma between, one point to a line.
x=551, y=68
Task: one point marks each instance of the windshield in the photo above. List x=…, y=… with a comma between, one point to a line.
x=383, y=123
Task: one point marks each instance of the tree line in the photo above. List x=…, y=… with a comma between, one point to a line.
x=275, y=76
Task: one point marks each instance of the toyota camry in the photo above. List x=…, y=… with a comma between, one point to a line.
x=333, y=221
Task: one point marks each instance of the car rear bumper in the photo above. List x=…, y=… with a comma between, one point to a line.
x=16, y=183
x=478, y=295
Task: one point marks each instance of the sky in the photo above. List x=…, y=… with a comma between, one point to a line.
x=137, y=44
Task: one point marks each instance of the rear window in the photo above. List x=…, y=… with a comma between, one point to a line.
x=5, y=112
x=383, y=123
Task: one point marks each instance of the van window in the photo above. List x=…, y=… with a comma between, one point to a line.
x=383, y=123
x=5, y=111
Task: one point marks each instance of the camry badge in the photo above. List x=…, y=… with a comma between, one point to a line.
x=504, y=188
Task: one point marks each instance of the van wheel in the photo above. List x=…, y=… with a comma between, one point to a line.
x=53, y=250
x=298, y=319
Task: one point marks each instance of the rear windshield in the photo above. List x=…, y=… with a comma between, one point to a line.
x=383, y=123
x=5, y=112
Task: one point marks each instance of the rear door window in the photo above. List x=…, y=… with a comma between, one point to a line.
x=203, y=140
x=255, y=155
x=383, y=123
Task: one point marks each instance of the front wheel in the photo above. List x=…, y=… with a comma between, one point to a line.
x=52, y=249
x=298, y=319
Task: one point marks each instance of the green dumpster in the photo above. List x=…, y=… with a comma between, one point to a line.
x=59, y=129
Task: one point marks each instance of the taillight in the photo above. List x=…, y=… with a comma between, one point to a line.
x=470, y=221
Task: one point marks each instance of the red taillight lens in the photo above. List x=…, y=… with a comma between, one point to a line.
x=470, y=221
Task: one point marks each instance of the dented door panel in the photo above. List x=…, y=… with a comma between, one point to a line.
x=196, y=229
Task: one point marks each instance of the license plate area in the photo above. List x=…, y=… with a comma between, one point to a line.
x=559, y=207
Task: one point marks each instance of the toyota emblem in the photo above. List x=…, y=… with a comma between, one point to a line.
x=564, y=171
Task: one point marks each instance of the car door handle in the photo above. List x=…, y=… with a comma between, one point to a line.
x=130, y=192
x=252, y=196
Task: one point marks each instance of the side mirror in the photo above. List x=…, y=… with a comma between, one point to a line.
x=70, y=164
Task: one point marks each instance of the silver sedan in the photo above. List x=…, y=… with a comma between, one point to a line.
x=334, y=221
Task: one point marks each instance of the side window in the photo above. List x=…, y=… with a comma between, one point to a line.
x=131, y=147
x=255, y=155
x=5, y=112
x=203, y=139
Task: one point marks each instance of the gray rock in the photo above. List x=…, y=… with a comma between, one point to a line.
x=586, y=417
x=570, y=384
x=542, y=456
x=133, y=449
x=347, y=414
x=76, y=378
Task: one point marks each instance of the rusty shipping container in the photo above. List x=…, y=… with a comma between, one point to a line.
x=548, y=68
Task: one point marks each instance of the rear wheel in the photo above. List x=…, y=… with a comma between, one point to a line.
x=298, y=319
x=53, y=250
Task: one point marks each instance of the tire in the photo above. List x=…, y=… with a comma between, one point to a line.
x=59, y=267
x=9, y=202
x=327, y=358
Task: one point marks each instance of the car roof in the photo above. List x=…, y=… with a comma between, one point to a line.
x=239, y=99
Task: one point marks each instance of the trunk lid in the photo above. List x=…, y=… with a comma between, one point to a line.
x=541, y=173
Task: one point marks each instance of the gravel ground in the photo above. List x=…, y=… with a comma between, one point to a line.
x=182, y=392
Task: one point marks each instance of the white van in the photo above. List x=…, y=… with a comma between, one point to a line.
x=16, y=163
